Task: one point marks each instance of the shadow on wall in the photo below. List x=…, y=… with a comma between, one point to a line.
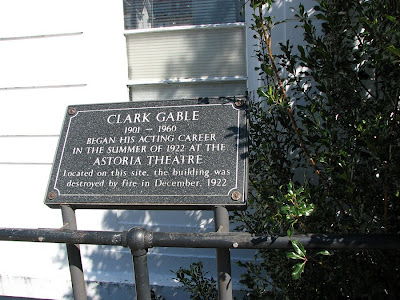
x=109, y=269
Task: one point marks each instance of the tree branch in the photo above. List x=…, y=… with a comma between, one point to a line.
x=268, y=42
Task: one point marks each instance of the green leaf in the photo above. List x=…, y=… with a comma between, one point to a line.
x=301, y=49
x=321, y=17
x=257, y=4
x=323, y=252
x=301, y=9
x=298, y=248
x=261, y=93
x=394, y=50
x=297, y=270
x=290, y=230
x=392, y=18
x=293, y=255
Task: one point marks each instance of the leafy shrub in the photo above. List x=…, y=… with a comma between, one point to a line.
x=325, y=150
x=196, y=283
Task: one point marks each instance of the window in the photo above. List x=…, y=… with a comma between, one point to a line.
x=185, y=48
x=166, y=13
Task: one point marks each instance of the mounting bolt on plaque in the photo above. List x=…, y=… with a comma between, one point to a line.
x=236, y=196
x=239, y=102
x=52, y=195
x=72, y=111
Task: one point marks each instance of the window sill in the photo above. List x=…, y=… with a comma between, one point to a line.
x=188, y=27
x=187, y=80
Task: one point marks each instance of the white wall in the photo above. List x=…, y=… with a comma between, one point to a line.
x=54, y=53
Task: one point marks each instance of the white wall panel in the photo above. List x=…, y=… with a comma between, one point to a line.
x=105, y=46
x=43, y=61
x=28, y=149
x=23, y=189
x=52, y=53
x=38, y=111
x=28, y=18
x=39, y=285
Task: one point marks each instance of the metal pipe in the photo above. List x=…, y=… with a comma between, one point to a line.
x=138, y=240
x=141, y=271
x=74, y=256
x=224, y=272
x=237, y=240
x=243, y=240
x=116, y=238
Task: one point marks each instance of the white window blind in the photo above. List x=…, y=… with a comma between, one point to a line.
x=141, y=14
x=185, y=49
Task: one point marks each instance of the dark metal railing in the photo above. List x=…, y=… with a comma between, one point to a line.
x=139, y=240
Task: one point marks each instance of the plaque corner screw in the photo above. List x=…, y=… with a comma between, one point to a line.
x=236, y=196
x=72, y=111
x=239, y=102
x=52, y=195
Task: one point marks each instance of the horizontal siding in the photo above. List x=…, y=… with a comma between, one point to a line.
x=103, y=262
x=39, y=110
x=52, y=54
x=23, y=191
x=170, y=221
x=28, y=18
x=47, y=61
x=27, y=149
